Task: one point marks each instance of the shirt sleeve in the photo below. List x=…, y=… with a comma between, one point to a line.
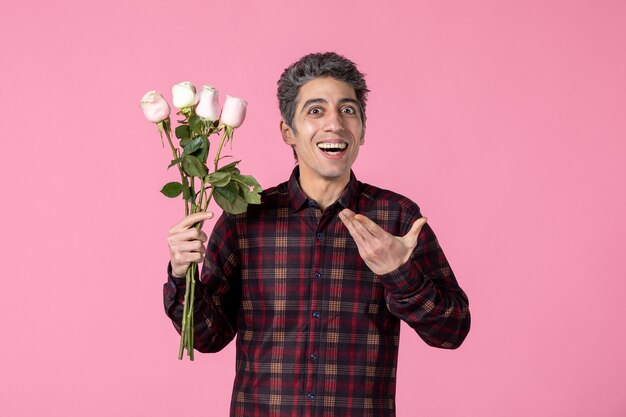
x=425, y=294
x=218, y=292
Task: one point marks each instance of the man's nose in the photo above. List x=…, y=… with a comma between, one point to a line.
x=334, y=122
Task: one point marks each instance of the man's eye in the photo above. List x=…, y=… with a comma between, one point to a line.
x=315, y=110
x=348, y=110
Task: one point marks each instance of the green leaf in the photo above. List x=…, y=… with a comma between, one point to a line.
x=203, y=152
x=196, y=143
x=249, y=188
x=196, y=124
x=222, y=197
x=198, y=147
x=173, y=162
x=251, y=197
x=230, y=167
x=182, y=132
x=230, y=191
x=184, y=142
x=172, y=189
x=219, y=179
x=249, y=181
x=193, y=167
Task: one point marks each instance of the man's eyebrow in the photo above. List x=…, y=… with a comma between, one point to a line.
x=312, y=101
x=350, y=100
x=321, y=100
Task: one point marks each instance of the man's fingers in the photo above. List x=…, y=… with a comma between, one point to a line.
x=346, y=214
x=369, y=224
x=181, y=260
x=190, y=220
x=356, y=230
x=189, y=247
x=189, y=234
x=366, y=222
x=363, y=231
x=362, y=236
x=347, y=217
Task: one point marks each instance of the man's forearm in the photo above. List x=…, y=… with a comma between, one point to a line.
x=214, y=315
x=424, y=293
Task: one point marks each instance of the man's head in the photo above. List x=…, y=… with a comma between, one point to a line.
x=322, y=100
x=313, y=66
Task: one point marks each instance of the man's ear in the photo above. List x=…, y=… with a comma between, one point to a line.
x=362, y=140
x=286, y=132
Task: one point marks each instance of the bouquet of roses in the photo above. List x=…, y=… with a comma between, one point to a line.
x=200, y=118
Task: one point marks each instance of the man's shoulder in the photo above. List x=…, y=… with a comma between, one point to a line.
x=382, y=196
x=278, y=192
x=392, y=211
x=272, y=199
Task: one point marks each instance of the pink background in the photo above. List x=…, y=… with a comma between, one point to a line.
x=504, y=120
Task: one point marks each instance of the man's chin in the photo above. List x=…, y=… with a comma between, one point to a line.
x=334, y=176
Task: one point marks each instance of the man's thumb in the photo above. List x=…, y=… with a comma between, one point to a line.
x=416, y=229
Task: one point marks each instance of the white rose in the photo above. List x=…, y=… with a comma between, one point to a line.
x=184, y=94
x=208, y=107
x=154, y=107
x=234, y=112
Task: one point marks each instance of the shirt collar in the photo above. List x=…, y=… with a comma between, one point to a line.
x=299, y=199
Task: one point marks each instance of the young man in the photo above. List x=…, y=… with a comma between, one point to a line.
x=315, y=280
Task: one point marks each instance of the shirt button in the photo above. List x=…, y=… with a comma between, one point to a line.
x=320, y=236
x=316, y=314
x=318, y=275
x=310, y=396
x=313, y=356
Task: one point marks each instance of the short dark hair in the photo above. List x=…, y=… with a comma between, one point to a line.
x=309, y=67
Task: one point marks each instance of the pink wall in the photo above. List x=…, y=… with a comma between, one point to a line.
x=505, y=121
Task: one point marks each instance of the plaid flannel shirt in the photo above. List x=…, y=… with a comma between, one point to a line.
x=317, y=331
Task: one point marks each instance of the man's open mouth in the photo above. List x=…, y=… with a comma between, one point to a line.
x=332, y=148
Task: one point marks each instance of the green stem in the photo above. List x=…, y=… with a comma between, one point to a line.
x=202, y=193
x=184, y=329
x=192, y=193
x=191, y=311
x=187, y=331
x=166, y=129
x=225, y=137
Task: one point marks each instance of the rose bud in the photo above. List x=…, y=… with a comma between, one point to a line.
x=234, y=112
x=154, y=107
x=184, y=94
x=208, y=107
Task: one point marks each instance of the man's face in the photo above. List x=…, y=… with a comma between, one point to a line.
x=329, y=129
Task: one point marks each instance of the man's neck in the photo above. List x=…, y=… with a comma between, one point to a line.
x=323, y=191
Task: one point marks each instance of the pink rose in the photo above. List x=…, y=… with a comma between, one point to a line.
x=208, y=107
x=234, y=112
x=154, y=107
x=184, y=94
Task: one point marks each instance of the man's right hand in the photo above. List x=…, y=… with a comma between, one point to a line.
x=187, y=244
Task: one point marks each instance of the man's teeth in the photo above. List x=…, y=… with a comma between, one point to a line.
x=332, y=146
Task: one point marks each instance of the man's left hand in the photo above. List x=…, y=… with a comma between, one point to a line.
x=381, y=251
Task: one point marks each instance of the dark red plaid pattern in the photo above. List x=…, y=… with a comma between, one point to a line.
x=317, y=331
